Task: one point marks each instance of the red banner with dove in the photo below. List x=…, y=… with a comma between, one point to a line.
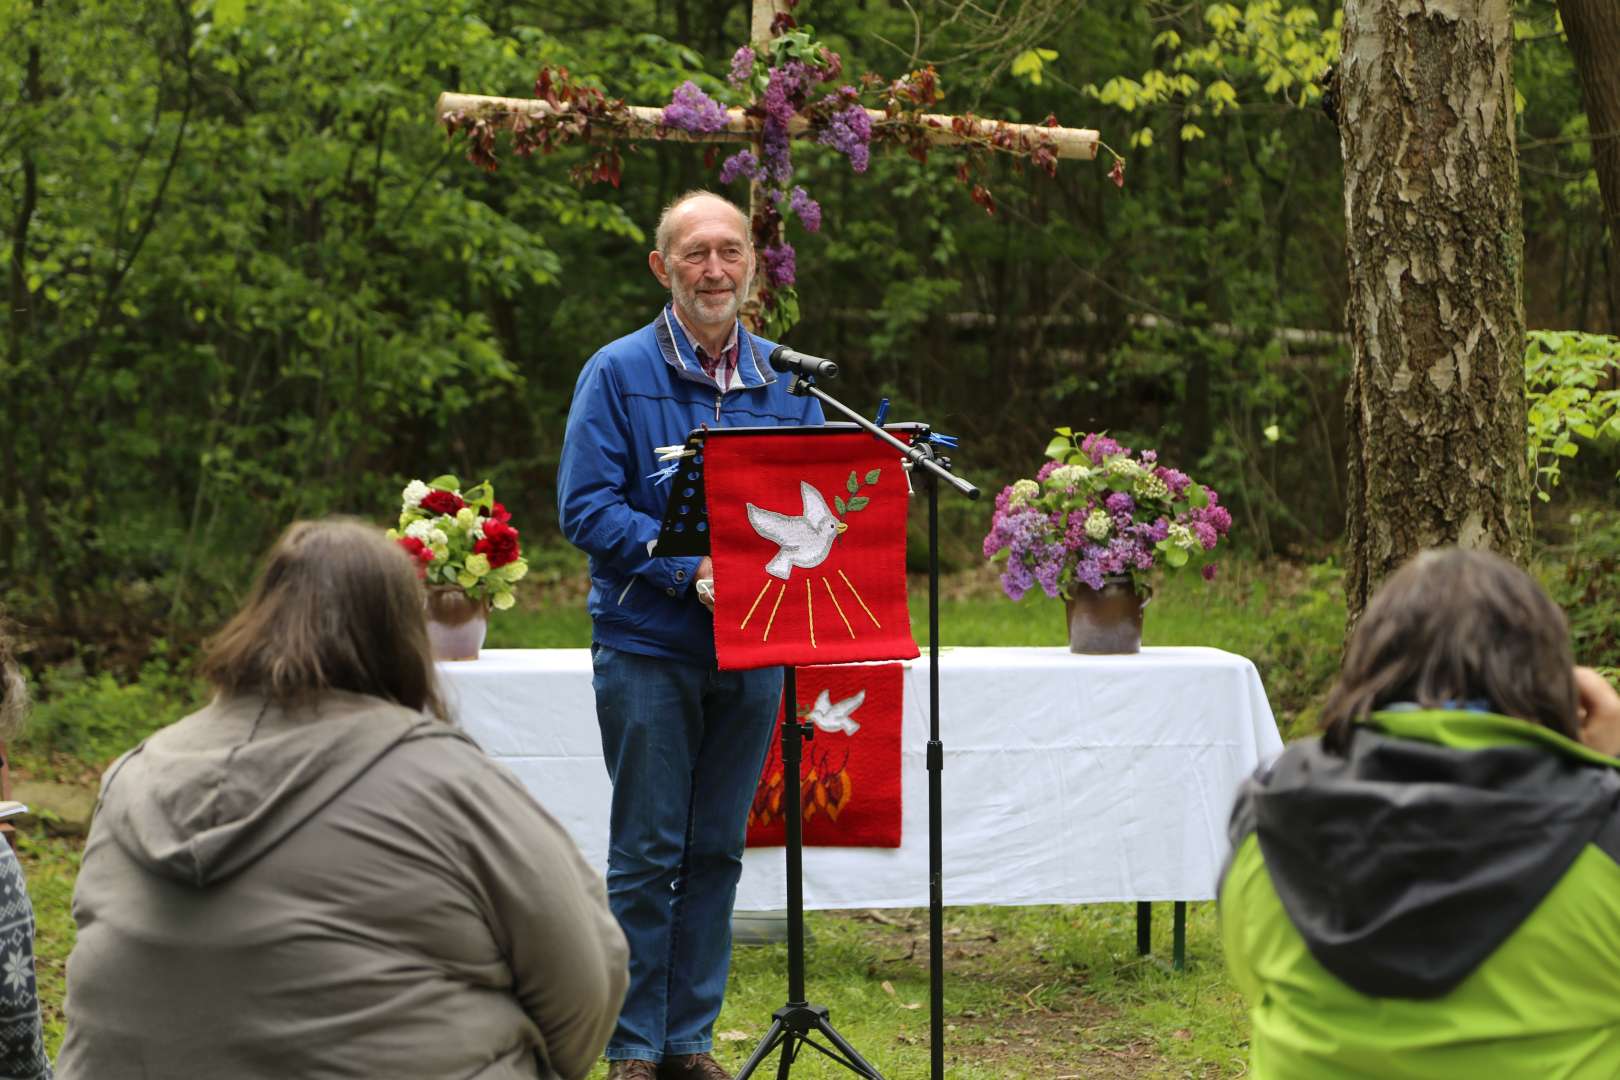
x=851, y=766
x=808, y=537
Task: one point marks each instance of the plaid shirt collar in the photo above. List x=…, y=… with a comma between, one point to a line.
x=713, y=366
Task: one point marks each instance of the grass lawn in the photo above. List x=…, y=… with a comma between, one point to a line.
x=1043, y=992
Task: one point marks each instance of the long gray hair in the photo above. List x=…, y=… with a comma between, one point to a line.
x=1455, y=626
x=337, y=607
x=13, y=690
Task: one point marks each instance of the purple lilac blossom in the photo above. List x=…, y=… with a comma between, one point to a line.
x=1149, y=457
x=1174, y=479
x=1087, y=572
x=693, y=110
x=1205, y=533
x=743, y=164
x=780, y=268
x=808, y=209
x=1209, y=571
x=1098, y=446
x=778, y=150
x=742, y=66
x=1047, y=470
x=849, y=131
x=1119, y=502
x=784, y=93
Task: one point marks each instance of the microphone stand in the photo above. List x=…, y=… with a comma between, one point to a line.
x=792, y=1024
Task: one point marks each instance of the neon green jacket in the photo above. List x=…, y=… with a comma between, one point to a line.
x=1441, y=901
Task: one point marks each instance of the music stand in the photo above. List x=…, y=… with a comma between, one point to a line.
x=684, y=531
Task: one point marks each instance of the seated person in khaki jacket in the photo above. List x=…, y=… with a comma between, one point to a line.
x=317, y=876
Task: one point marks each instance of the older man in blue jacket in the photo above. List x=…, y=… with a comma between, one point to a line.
x=684, y=741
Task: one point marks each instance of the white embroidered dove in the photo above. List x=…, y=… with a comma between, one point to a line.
x=804, y=540
x=834, y=718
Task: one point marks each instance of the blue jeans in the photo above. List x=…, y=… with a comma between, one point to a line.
x=684, y=746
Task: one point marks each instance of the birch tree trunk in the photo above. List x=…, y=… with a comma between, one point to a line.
x=1434, y=239
x=1593, y=28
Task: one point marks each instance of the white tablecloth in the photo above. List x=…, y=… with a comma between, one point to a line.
x=1068, y=779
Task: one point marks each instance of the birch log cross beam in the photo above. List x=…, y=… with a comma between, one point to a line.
x=780, y=70
x=646, y=122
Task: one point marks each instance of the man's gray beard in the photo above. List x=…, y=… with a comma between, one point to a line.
x=687, y=301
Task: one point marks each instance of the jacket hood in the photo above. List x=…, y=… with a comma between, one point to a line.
x=204, y=798
x=1406, y=862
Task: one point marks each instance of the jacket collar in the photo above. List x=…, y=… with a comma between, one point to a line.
x=753, y=370
x=1469, y=730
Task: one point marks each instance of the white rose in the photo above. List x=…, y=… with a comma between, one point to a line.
x=414, y=493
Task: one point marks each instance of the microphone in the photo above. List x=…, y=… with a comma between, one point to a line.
x=786, y=359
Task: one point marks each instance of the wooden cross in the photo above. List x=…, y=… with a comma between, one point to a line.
x=646, y=122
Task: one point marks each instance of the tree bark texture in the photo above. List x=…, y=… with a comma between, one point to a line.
x=1593, y=29
x=1434, y=240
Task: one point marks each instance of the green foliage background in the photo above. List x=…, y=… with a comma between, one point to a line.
x=249, y=280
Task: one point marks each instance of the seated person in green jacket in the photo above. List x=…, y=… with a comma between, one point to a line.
x=1432, y=887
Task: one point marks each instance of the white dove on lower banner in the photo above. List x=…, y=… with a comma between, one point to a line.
x=834, y=718
x=804, y=540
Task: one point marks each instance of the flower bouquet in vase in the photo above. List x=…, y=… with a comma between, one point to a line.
x=468, y=556
x=1090, y=528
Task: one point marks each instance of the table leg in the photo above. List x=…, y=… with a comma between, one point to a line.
x=1144, y=927
x=1178, y=949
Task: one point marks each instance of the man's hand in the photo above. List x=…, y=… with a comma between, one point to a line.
x=1598, y=710
x=703, y=582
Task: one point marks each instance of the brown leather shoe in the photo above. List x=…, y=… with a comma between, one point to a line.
x=632, y=1069
x=692, y=1067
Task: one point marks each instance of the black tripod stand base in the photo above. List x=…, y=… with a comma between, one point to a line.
x=791, y=1028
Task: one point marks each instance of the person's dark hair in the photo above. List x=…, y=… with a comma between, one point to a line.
x=337, y=607
x=13, y=690
x=1453, y=626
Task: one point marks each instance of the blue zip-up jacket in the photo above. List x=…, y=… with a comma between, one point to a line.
x=643, y=391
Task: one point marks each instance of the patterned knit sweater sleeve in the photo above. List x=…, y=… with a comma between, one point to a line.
x=22, y=1047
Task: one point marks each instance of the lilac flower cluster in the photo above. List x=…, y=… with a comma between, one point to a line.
x=849, y=131
x=806, y=208
x=780, y=268
x=693, y=110
x=1097, y=512
x=784, y=95
x=741, y=165
x=742, y=67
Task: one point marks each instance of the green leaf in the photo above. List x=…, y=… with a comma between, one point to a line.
x=1029, y=63
x=838, y=503
x=858, y=503
x=1058, y=447
x=447, y=482
x=229, y=14
x=1176, y=556
x=482, y=496
x=853, y=484
x=1197, y=497
x=872, y=477
x=1065, y=432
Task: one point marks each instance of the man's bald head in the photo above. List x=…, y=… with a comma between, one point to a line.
x=670, y=219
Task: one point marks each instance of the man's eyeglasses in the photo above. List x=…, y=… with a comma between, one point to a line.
x=731, y=256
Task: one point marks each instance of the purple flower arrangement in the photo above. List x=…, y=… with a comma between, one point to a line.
x=1098, y=511
x=692, y=110
x=786, y=79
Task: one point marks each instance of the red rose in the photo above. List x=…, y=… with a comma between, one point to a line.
x=498, y=512
x=500, y=543
x=418, y=551
x=442, y=502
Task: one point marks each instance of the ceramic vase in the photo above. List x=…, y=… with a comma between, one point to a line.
x=456, y=623
x=1106, y=621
